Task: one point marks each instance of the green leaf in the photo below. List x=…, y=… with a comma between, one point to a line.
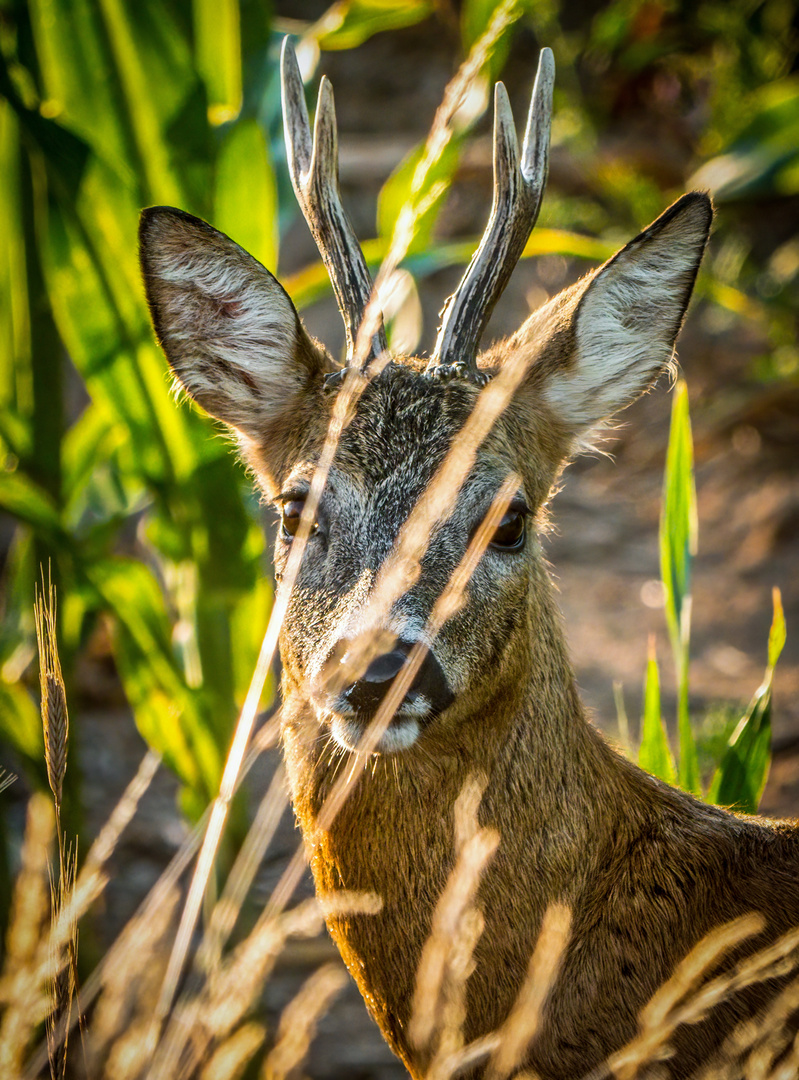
x=245, y=194
x=476, y=16
x=217, y=45
x=349, y=23
x=424, y=189
x=80, y=79
x=678, y=522
x=21, y=727
x=16, y=389
x=22, y=497
x=678, y=535
x=169, y=715
x=778, y=632
x=654, y=754
x=764, y=158
x=87, y=442
x=153, y=64
x=743, y=771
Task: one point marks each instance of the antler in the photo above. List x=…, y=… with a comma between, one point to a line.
x=313, y=165
x=517, y=198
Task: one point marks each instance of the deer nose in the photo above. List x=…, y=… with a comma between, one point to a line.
x=366, y=694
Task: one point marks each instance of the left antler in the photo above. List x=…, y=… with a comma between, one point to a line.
x=313, y=165
x=517, y=197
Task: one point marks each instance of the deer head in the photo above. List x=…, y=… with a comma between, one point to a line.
x=237, y=346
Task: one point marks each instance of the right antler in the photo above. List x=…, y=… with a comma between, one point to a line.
x=518, y=190
x=313, y=165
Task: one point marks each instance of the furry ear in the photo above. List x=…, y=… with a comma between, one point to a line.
x=229, y=330
x=599, y=345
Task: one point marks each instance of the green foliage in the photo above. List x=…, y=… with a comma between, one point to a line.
x=678, y=531
x=741, y=758
x=764, y=158
x=348, y=23
x=109, y=107
x=743, y=770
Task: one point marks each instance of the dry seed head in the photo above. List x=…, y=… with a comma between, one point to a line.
x=299, y=1020
x=55, y=718
x=21, y=990
x=524, y=1020
x=456, y=921
x=231, y=1058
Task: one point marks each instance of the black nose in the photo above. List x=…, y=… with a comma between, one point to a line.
x=366, y=694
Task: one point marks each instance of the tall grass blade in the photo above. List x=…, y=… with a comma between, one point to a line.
x=654, y=753
x=678, y=536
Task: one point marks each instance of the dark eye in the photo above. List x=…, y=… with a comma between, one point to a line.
x=290, y=518
x=509, y=535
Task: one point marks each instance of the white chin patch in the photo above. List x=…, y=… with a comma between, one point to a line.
x=401, y=734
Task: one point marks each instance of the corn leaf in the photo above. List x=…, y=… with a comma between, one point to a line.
x=21, y=727
x=22, y=497
x=82, y=88
x=245, y=193
x=15, y=375
x=88, y=441
x=217, y=45
x=169, y=715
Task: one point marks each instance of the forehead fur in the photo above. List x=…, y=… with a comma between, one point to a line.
x=404, y=421
x=404, y=426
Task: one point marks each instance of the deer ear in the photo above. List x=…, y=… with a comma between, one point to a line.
x=603, y=342
x=229, y=330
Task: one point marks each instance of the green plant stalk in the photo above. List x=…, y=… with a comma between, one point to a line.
x=678, y=538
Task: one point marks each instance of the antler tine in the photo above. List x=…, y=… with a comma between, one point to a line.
x=313, y=166
x=517, y=198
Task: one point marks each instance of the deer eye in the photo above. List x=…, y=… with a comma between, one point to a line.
x=290, y=518
x=510, y=532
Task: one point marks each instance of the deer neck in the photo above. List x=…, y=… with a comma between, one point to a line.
x=550, y=783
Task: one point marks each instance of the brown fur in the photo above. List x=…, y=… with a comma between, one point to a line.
x=646, y=870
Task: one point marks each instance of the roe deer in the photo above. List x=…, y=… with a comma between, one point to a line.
x=646, y=870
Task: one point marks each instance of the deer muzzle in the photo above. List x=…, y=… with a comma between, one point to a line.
x=354, y=703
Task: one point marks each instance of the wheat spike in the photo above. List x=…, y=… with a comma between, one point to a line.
x=55, y=717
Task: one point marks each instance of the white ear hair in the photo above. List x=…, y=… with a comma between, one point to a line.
x=628, y=318
x=228, y=328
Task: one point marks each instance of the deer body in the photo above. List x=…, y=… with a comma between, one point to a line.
x=645, y=870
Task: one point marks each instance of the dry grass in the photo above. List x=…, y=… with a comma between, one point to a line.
x=215, y=1028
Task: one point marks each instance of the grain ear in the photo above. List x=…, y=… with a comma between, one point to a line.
x=228, y=328
x=597, y=346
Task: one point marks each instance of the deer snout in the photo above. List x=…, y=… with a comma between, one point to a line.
x=366, y=694
x=357, y=702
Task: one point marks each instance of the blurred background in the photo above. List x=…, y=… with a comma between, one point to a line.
x=154, y=537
